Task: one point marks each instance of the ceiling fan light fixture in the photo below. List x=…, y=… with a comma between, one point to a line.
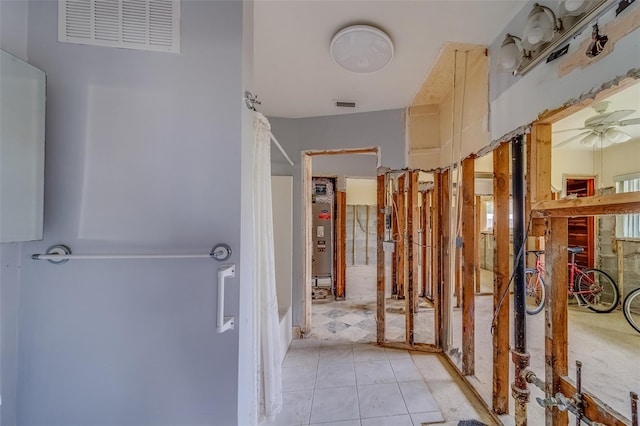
x=540, y=27
x=361, y=48
x=590, y=139
x=616, y=136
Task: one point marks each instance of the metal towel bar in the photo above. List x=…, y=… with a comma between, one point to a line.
x=61, y=253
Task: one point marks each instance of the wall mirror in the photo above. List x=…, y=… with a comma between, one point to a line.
x=22, y=112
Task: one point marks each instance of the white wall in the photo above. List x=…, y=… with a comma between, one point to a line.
x=143, y=155
x=618, y=160
x=570, y=163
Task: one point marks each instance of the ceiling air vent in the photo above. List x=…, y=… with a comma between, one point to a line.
x=133, y=24
x=345, y=104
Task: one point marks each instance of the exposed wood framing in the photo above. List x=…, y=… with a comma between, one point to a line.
x=401, y=260
x=436, y=254
x=620, y=262
x=421, y=347
x=308, y=242
x=501, y=186
x=538, y=244
x=538, y=170
x=478, y=217
x=412, y=256
x=468, y=266
x=353, y=234
x=445, y=226
x=623, y=203
x=372, y=151
x=556, y=332
x=458, y=275
x=429, y=247
x=528, y=175
x=425, y=242
x=380, y=320
x=395, y=236
x=341, y=238
x=366, y=237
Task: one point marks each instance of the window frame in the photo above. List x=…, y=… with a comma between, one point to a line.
x=627, y=225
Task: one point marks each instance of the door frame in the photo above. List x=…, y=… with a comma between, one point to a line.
x=307, y=176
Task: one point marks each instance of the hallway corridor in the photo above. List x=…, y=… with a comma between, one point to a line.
x=333, y=382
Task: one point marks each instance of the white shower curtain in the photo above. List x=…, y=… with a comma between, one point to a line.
x=266, y=310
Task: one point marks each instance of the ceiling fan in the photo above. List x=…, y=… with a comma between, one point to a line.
x=602, y=127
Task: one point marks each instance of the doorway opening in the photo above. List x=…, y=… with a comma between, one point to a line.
x=340, y=237
x=581, y=228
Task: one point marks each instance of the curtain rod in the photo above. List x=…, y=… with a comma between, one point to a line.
x=273, y=138
x=251, y=101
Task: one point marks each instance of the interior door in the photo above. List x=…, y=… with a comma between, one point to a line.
x=581, y=229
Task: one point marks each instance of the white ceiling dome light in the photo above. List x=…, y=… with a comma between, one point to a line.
x=361, y=48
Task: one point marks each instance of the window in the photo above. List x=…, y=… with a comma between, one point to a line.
x=488, y=215
x=628, y=225
x=488, y=219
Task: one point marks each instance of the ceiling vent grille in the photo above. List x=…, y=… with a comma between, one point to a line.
x=345, y=104
x=133, y=24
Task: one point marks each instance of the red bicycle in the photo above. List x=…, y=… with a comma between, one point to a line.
x=591, y=287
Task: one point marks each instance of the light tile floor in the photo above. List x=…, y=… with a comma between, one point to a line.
x=338, y=376
x=338, y=383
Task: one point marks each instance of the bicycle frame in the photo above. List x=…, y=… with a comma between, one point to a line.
x=591, y=287
x=574, y=272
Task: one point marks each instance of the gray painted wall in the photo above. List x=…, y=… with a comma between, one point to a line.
x=13, y=27
x=13, y=39
x=384, y=129
x=354, y=165
x=143, y=154
x=9, y=291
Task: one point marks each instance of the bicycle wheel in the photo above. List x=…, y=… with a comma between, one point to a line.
x=597, y=290
x=534, y=291
x=631, y=309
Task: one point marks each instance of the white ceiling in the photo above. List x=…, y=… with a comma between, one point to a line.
x=295, y=76
x=627, y=99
